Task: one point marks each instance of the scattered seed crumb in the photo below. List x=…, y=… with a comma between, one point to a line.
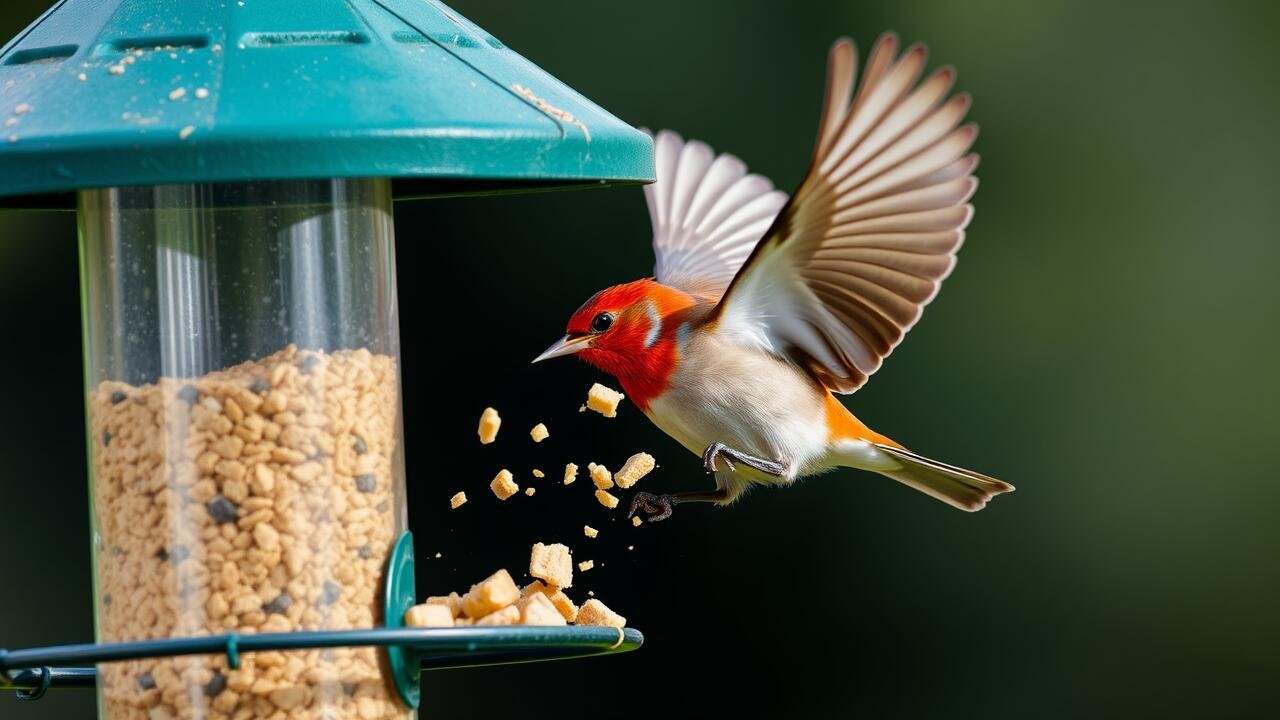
x=631, y=547
x=490, y=421
x=458, y=500
x=552, y=564
x=438, y=556
x=128, y=59
x=82, y=77
x=570, y=473
x=185, y=132
x=604, y=400
x=601, y=476
x=202, y=93
x=589, y=531
x=586, y=565
x=217, y=47
x=636, y=467
x=591, y=593
x=10, y=122
x=538, y=473
x=606, y=499
x=116, y=69
x=539, y=433
x=503, y=486
x=176, y=93
x=635, y=521
x=22, y=108
x=530, y=491
x=582, y=408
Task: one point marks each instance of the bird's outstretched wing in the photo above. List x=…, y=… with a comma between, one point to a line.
x=862, y=247
x=707, y=214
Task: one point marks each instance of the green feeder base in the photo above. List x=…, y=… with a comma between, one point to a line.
x=33, y=671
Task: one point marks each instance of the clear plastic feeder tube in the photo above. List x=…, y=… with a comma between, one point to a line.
x=242, y=375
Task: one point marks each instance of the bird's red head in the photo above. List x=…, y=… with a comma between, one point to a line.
x=626, y=330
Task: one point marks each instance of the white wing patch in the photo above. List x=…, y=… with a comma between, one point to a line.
x=707, y=214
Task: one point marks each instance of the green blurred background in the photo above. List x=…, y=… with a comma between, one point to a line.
x=1108, y=344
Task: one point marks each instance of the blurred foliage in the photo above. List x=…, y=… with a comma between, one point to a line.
x=1107, y=344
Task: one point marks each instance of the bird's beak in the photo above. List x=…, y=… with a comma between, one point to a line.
x=566, y=345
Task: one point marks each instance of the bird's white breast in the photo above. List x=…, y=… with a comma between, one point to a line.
x=746, y=399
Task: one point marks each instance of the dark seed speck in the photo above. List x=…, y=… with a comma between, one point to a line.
x=216, y=685
x=118, y=397
x=366, y=483
x=365, y=552
x=359, y=445
x=145, y=681
x=188, y=394
x=222, y=510
x=106, y=438
x=162, y=554
x=106, y=599
x=260, y=386
x=116, y=551
x=280, y=605
x=332, y=591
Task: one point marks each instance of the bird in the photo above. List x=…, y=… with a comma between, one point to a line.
x=762, y=308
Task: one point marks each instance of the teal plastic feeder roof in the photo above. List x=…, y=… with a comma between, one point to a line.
x=145, y=92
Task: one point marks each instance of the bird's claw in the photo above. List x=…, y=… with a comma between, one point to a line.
x=659, y=507
x=716, y=450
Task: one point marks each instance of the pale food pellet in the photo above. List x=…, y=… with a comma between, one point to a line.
x=537, y=609
x=552, y=563
x=589, y=531
x=428, y=615
x=489, y=424
x=594, y=612
x=586, y=565
x=493, y=593
x=539, y=433
x=601, y=476
x=636, y=467
x=509, y=615
x=458, y=499
x=604, y=400
x=570, y=473
x=606, y=499
x=503, y=486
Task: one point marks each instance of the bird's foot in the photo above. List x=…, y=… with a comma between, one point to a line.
x=659, y=507
x=718, y=450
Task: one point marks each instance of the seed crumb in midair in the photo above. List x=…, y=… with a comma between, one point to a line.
x=177, y=93
x=185, y=132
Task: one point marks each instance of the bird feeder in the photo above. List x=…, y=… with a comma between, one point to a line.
x=233, y=167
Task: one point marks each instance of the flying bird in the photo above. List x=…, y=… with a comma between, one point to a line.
x=762, y=307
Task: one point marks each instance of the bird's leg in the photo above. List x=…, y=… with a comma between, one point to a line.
x=660, y=507
x=718, y=450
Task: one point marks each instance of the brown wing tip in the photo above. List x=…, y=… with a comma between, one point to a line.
x=888, y=40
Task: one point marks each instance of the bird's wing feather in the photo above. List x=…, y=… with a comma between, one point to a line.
x=853, y=258
x=707, y=214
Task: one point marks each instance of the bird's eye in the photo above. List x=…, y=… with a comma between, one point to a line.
x=601, y=322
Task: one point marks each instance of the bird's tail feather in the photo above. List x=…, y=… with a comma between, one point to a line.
x=955, y=486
